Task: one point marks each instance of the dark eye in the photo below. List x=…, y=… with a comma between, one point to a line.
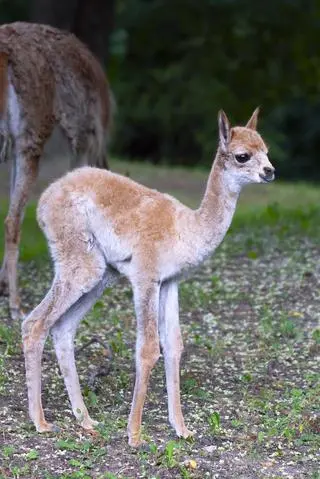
x=243, y=158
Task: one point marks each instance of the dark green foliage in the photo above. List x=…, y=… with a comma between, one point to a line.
x=14, y=10
x=176, y=63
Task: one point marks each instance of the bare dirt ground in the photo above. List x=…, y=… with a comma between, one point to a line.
x=249, y=376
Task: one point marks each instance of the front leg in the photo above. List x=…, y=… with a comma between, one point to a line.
x=172, y=345
x=146, y=299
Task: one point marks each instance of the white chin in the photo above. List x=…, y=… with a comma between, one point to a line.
x=266, y=180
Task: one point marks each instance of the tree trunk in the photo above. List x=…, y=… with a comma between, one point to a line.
x=94, y=22
x=90, y=20
x=56, y=13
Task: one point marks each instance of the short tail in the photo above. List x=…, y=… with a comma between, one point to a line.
x=5, y=143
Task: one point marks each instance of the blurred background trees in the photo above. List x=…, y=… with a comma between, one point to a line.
x=91, y=20
x=173, y=63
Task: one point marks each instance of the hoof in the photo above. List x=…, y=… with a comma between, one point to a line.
x=135, y=441
x=17, y=313
x=89, y=424
x=48, y=427
x=185, y=433
x=92, y=432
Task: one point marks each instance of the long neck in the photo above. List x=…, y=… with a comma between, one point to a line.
x=218, y=205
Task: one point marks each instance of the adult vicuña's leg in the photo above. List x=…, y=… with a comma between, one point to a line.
x=63, y=333
x=172, y=345
x=24, y=173
x=146, y=298
x=4, y=271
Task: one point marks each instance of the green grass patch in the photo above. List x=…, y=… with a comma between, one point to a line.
x=285, y=207
x=33, y=243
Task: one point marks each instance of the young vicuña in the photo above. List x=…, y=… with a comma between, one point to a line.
x=48, y=78
x=99, y=225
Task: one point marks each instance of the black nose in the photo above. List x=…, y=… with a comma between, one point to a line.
x=268, y=171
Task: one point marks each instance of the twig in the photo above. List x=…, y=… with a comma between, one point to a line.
x=93, y=340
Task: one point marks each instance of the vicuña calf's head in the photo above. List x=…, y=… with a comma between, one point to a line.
x=243, y=152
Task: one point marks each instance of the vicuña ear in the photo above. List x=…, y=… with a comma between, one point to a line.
x=224, y=131
x=252, y=123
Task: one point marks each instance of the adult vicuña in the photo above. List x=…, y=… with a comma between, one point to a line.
x=48, y=78
x=99, y=225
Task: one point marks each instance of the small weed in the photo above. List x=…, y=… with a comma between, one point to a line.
x=68, y=445
x=123, y=379
x=216, y=284
x=185, y=474
x=7, y=334
x=111, y=425
x=90, y=396
x=252, y=254
x=237, y=423
x=214, y=422
x=3, y=374
x=19, y=472
x=118, y=345
x=115, y=320
x=169, y=453
x=275, y=327
x=75, y=463
x=32, y=455
x=246, y=378
x=316, y=336
x=8, y=451
x=98, y=307
x=287, y=328
x=153, y=448
x=189, y=385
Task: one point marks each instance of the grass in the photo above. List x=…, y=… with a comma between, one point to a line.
x=280, y=204
x=249, y=377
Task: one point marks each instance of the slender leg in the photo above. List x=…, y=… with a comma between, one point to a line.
x=147, y=353
x=171, y=342
x=63, y=333
x=4, y=271
x=35, y=329
x=67, y=288
x=24, y=174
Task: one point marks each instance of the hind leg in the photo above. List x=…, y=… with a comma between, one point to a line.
x=4, y=271
x=75, y=278
x=23, y=175
x=35, y=329
x=63, y=333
